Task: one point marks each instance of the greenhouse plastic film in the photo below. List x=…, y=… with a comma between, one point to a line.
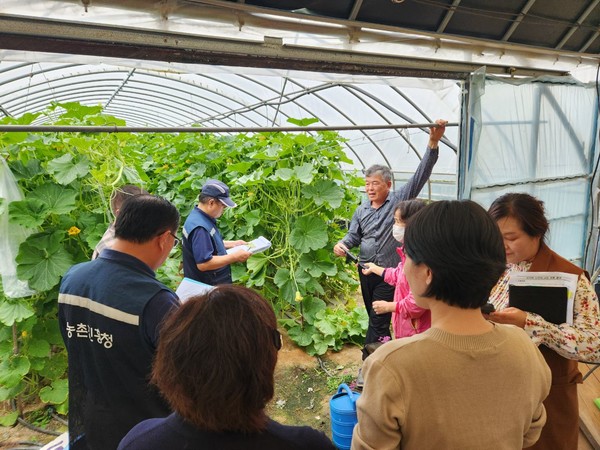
x=11, y=236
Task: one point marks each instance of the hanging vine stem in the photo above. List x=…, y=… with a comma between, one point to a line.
x=119, y=175
x=18, y=404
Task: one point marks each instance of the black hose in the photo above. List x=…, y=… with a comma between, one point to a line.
x=323, y=368
x=38, y=429
x=57, y=417
x=31, y=426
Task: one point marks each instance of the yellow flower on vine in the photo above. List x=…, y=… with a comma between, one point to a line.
x=298, y=296
x=24, y=333
x=74, y=231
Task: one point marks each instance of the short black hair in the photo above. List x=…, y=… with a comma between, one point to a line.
x=462, y=246
x=144, y=217
x=409, y=208
x=204, y=199
x=526, y=209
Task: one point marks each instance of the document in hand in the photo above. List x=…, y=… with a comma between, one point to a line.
x=260, y=244
x=549, y=294
x=189, y=288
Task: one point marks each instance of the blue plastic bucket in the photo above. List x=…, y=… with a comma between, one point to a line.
x=342, y=409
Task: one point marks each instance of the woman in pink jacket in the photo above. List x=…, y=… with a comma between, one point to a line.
x=407, y=318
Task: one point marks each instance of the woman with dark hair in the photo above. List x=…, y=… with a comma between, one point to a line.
x=445, y=388
x=523, y=225
x=215, y=365
x=407, y=317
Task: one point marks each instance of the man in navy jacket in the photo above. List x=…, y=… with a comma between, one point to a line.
x=110, y=310
x=205, y=256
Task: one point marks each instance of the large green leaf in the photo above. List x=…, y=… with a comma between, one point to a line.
x=319, y=263
x=26, y=171
x=325, y=327
x=284, y=174
x=56, y=393
x=281, y=277
x=300, y=336
x=257, y=262
x=49, y=240
x=302, y=277
x=46, y=328
x=12, y=392
x=80, y=142
x=13, y=369
x=13, y=137
x=9, y=419
x=55, y=367
x=93, y=234
x=59, y=200
x=309, y=233
x=313, y=286
x=66, y=169
x=325, y=191
x=14, y=311
x=42, y=267
x=310, y=307
x=287, y=292
x=243, y=166
x=77, y=110
x=303, y=122
x=39, y=348
x=320, y=344
x=29, y=213
x=253, y=217
x=304, y=172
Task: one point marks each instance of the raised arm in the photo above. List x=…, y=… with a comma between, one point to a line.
x=414, y=185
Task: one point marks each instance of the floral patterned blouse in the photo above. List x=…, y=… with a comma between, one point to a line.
x=580, y=341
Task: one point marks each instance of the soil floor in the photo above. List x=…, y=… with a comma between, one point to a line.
x=303, y=387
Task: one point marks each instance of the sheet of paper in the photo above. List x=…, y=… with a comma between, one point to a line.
x=557, y=279
x=260, y=244
x=189, y=288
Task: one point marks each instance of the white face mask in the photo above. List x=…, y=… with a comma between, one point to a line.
x=398, y=233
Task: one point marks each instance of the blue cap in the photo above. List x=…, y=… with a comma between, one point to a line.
x=218, y=189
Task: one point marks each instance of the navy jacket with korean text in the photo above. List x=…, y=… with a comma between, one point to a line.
x=110, y=355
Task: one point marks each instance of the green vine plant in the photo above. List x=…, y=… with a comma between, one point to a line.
x=289, y=188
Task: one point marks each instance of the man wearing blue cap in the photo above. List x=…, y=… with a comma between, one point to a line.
x=205, y=256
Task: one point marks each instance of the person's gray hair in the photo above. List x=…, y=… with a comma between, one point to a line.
x=378, y=170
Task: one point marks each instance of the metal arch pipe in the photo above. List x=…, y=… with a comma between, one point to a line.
x=126, y=129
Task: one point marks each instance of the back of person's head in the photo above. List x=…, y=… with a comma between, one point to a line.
x=462, y=246
x=121, y=194
x=526, y=209
x=408, y=208
x=145, y=216
x=378, y=170
x=216, y=359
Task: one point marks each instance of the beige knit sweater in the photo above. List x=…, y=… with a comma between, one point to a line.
x=438, y=390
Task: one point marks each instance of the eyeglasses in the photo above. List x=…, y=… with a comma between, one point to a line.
x=175, y=239
x=277, y=340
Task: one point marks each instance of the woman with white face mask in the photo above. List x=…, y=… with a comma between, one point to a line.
x=407, y=318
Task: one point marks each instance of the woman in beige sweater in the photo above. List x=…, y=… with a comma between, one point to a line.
x=466, y=383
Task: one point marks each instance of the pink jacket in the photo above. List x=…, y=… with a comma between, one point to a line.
x=409, y=319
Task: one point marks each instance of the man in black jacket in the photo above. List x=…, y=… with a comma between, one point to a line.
x=110, y=310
